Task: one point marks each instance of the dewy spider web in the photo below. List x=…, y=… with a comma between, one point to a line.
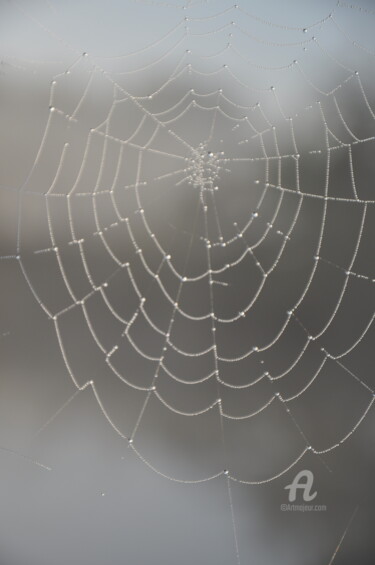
x=179, y=183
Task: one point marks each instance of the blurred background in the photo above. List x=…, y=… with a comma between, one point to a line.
x=143, y=145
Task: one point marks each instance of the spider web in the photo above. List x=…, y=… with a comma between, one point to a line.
x=203, y=230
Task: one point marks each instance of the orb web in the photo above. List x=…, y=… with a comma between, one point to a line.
x=202, y=228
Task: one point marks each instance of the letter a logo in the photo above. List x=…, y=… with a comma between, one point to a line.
x=305, y=486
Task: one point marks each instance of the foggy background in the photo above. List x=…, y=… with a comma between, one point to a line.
x=100, y=503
